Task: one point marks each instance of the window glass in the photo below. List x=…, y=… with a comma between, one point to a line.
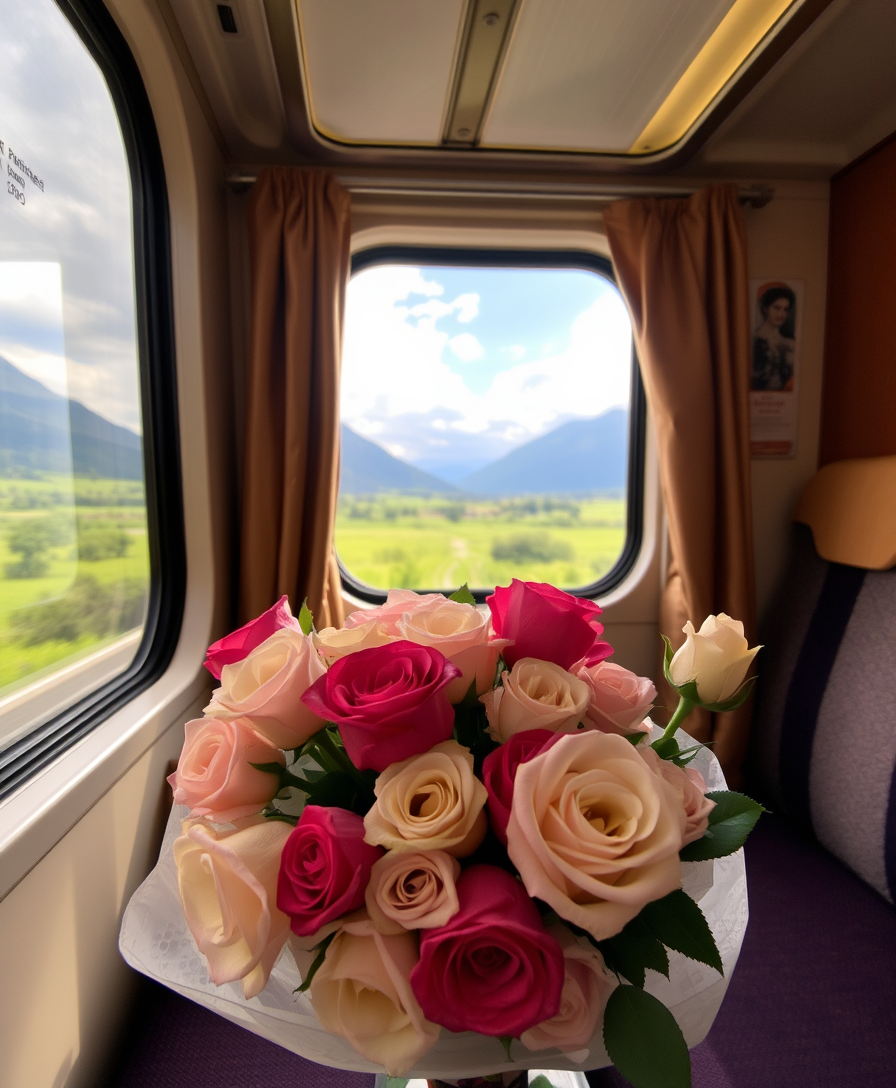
x=74, y=570
x=485, y=424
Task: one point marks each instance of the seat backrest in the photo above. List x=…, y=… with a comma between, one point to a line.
x=824, y=742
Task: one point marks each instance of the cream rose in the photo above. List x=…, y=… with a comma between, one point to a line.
x=690, y=786
x=412, y=890
x=266, y=687
x=594, y=832
x=716, y=658
x=536, y=695
x=362, y=993
x=587, y=986
x=335, y=642
x=620, y=700
x=228, y=887
x=462, y=633
x=429, y=802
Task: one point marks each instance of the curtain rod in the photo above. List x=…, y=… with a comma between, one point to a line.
x=756, y=196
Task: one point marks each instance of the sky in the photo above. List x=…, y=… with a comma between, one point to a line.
x=461, y=365
x=66, y=258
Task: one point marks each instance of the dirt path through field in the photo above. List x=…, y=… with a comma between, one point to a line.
x=459, y=551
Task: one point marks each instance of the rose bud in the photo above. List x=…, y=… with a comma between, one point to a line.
x=715, y=658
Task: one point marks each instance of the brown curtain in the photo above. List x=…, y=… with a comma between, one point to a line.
x=682, y=266
x=299, y=231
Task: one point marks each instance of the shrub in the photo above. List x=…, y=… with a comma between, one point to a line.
x=89, y=608
x=534, y=547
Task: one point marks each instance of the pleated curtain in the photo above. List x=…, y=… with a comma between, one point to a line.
x=682, y=267
x=299, y=230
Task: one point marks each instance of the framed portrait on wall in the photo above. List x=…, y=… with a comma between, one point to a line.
x=774, y=366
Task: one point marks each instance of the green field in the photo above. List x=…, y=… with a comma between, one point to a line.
x=390, y=541
x=74, y=570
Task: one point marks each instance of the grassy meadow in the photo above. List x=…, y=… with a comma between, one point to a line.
x=74, y=570
x=402, y=541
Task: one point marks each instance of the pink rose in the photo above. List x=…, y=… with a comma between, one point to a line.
x=412, y=890
x=463, y=634
x=227, y=882
x=266, y=687
x=594, y=831
x=547, y=623
x=333, y=643
x=388, y=701
x=690, y=786
x=362, y=993
x=398, y=603
x=535, y=695
x=215, y=776
x=236, y=646
x=324, y=869
x=620, y=700
x=586, y=989
x=499, y=769
x=493, y=968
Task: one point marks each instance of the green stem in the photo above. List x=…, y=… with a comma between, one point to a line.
x=338, y=756
x=685, y=706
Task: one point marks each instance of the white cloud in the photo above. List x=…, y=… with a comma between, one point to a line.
x=514, y=352
x=467, y=307
x=466, y=347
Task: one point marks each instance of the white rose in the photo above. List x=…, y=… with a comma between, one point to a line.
x=267, y=686
x=335, y=642
x=536, y=695
x=716, y=657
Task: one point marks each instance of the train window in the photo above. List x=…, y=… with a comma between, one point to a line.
x=492, y=422
x=78, y=538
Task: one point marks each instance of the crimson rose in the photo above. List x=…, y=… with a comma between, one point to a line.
x=547, y=623
x=499, y=769
x=388, y=701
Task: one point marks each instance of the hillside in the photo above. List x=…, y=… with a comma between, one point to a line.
x=582, y=456
x=41, y=430
x=367, y=469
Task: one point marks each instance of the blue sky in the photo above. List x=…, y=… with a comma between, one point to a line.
x=461, y=365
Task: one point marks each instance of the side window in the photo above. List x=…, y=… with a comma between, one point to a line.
x=77, y=535
x=492, y=423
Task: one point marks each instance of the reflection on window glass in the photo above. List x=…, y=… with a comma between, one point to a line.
x=485, y=416
x=73, y=548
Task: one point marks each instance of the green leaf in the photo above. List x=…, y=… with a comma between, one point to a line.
x=668, y=654
x=268, y=768
x=284, y=817
x=678, y=923
x=339, y=789
x=644, y=1040
x=635, y=950
x=395, y=1082
x=316, y=962
x=541, y=1081
x=463, y=595
x=505, y=1041
x=306, y=620
x=730, y=822
x=736, y=700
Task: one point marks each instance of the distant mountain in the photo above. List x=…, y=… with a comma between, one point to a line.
x=41, y=430
x=584, y=455
x=367, y=468
x=452, y=471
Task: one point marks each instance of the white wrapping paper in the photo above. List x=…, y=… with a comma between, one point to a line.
x=155, y=940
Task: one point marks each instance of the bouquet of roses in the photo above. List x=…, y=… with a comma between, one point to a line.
x=457, y=820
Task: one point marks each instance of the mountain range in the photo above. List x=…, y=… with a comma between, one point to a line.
x=42, y=430
x=579, y=457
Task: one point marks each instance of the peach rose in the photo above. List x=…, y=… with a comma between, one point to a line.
x=536, y=695
x=716, y=658
x=462, y=633
x=412, y=890
x=335, y=642
x=587, y=986
x=620, y=700
x=594, y=832
x=266, y=687
x=398, y=603
x=215, y=776
x=690, y=785
x=431, y=801
x=228, y=887
x=362, y=993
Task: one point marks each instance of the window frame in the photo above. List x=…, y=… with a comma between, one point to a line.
x=154, y=315
x=530, y=257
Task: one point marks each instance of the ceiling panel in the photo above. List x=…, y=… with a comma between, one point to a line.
x=589, y=74
x=379, y=71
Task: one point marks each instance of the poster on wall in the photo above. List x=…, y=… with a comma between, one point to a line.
x=777, y=306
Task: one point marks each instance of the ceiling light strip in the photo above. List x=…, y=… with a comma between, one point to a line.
x=732, y=42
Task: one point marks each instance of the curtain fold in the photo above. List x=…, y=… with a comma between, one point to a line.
x=682, y=266
x=299, y=231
